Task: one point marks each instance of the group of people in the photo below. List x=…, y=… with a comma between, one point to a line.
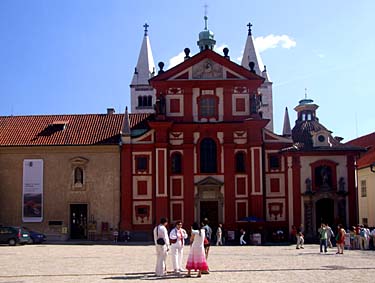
x=325, y=235
x=361, y=237
x=174, y=241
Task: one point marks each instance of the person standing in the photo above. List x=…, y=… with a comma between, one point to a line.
x=329, y=235
x=323, y=237
x=340, y=239
x=219, y=235
x=197, y=258
x=177, y=238
x=300, y=237
x=208, y=233
x=162, y=246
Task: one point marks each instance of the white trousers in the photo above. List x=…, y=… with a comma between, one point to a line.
x=161, y=256
x=242, y=241
x=177, y=252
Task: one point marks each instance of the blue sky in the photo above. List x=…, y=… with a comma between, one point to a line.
x=78, y=56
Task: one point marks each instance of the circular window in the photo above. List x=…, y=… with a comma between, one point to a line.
x=321, y=138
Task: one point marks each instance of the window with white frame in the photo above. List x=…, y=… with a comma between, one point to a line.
x=363, y=188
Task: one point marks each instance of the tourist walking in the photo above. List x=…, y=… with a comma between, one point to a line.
x=161, y=240
x=177, y=238
x=242, y=241
x=300, y=237
x=197, y=258
x=329, y=235
x=340, y=239
x=219, y=235
x=323, y=237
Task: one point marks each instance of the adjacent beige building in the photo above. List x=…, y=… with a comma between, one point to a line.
x=79, y=168
x=366, y=180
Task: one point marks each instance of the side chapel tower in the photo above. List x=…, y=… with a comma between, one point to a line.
x=251, y=59
x=142, y=94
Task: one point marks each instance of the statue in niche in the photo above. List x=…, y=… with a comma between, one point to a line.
x=308, y=185
x=254, y=104
x=342, y=184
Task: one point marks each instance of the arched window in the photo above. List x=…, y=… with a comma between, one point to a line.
x=208, y=158
x=139, y=101
x=176, y=163
x=78, y=176
x=240, y=162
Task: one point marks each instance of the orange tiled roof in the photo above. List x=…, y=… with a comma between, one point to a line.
x=367, y=141
x=81, y=129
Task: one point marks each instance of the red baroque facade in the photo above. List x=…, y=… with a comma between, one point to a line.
x=206, y=153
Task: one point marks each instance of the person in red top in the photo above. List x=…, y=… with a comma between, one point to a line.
x=340, y=239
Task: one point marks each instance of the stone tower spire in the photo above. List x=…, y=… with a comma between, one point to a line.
x=251, y=56
x=142, y=95
x=287, y=130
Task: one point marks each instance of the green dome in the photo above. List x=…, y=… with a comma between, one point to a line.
x=206, y=34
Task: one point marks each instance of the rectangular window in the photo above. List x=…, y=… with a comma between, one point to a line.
x=208, y=106
x=274, y=162
x=365, y=221
x=363, y=188
x=141, y=163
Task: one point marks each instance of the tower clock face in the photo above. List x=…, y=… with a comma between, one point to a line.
x=321, y=138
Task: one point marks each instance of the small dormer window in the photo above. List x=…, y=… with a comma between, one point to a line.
x=321, y=138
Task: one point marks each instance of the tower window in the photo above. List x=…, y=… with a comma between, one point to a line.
x=176, y=163
x=274, y=162
x=141, y=163
x=240, y=162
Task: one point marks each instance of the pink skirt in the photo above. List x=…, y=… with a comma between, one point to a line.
x=197, y=260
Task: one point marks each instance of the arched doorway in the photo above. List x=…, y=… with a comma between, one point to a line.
x=324, y=212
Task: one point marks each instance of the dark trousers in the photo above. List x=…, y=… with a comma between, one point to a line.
x=323, y=243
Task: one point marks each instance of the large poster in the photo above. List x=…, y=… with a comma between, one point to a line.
x=32, y=197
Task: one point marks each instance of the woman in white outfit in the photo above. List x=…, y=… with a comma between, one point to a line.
x=162, y=246
x=177, y=238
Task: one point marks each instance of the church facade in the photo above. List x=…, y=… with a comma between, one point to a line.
x=209, y=150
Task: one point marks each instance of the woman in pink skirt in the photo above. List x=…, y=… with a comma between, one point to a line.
x=197, y=259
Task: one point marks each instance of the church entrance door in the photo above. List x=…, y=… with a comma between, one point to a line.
x=324, y=212
x=210, y=210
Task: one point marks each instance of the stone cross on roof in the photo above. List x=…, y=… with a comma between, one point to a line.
x=146, y=26
x=249, y=25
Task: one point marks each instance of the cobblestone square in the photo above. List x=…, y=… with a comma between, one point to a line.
x=135, y=263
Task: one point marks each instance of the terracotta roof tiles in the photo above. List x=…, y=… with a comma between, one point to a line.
x=81, y=129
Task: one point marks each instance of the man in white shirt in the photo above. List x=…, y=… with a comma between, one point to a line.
x=177, y=238
x=162, y=246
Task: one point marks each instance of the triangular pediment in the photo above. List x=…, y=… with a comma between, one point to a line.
x=209, y=181
x=207, y=65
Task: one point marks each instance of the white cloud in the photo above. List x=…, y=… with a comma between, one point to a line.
x=174, y=61
x=273, y=41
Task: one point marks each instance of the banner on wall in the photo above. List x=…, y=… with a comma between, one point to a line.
x=32, y=194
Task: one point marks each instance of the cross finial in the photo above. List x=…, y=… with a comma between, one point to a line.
x=146, y=26
x=305, y=93
x=249, y=25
